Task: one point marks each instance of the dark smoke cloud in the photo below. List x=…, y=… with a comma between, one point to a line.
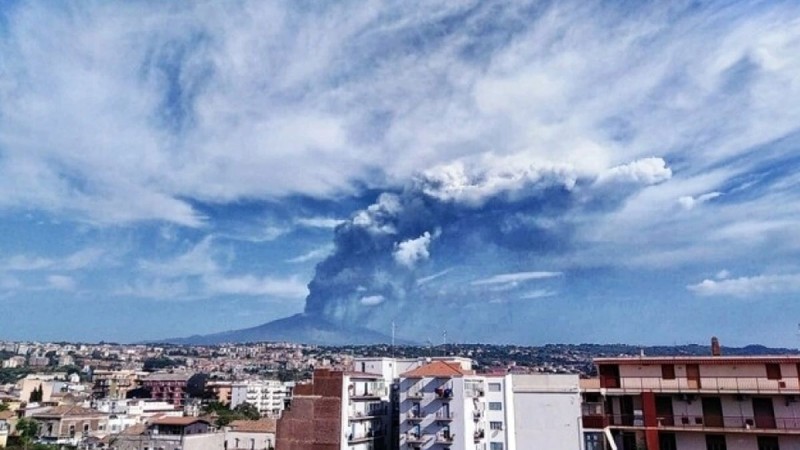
x=424, y=256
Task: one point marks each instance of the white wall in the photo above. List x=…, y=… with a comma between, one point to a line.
x=547, y=412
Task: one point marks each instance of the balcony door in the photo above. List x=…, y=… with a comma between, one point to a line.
x=693, y=376
x=712, y=412
x=664, y=414
x=764, y=413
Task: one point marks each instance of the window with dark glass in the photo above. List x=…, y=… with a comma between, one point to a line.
x=668, y=371
x=715, y=442
x=667, y=441
x=774, y=372
x=768, y=443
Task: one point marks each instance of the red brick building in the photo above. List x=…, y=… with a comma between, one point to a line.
x=338, y=410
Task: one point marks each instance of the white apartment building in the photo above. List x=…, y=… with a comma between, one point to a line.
x=266, y=395
x=440, y=403
x=444, y=406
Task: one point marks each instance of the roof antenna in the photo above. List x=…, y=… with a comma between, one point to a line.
x=394, y=330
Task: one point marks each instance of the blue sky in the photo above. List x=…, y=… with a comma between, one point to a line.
x=527, y=172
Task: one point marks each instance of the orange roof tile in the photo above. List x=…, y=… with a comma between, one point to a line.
x=437, y=369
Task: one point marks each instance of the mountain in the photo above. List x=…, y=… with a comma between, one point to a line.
x=299, y=328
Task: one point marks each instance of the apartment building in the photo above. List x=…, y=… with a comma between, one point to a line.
x=687, y=403
x=70, y=425
x=169, y=387
x=266, y=395
x=547, y=410
x=337, y=411
x=115, y=384
x=184, y=433
x=443, y=405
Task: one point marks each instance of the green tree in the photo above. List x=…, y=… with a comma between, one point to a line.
x=28, y=430
x=3, y=406
x=247, y=411
x=37, y=394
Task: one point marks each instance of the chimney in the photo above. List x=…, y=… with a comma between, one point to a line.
x=715, y=348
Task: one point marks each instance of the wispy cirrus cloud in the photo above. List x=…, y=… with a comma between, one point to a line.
x=756, y=286
x=516, y=277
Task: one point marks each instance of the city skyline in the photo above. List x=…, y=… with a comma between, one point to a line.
x=528, y=173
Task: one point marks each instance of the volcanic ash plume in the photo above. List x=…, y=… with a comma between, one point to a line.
x=425, y=257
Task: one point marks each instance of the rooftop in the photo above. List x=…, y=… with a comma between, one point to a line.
x=67, y=411
x=178, y=421
x=438, y=369
x=254, y=426
x=715, y=360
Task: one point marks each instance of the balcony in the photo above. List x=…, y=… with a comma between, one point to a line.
x=363, y=437
x=478, y=435
x=364, y=415
x=726, y=424
x=443, y=393
x=414, y=438
x=414, y=416
x=416, y=394
x=711, y=385
x=477, y=415
x=445, y=416
x=444, y=438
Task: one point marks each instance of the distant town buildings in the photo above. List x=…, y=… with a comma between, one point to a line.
x=146, y=397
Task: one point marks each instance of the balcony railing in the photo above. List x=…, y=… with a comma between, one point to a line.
x=442, y=415
x=364, y=436
x=724, y=384
x=414, y=438
x=697, y=422
x=443, y=393
x=416, y=393
x=414, y=415
x=444, y=438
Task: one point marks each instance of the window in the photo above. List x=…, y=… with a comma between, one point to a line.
x=768, y=443
x=592, y=441
x=252, y=444
x=666, y=441
x=494, y=387
x=774, y=372
x=715, y=442
x=86, y=428
x=495, y=425
x=668, y=371
x=495, y=406
x=495, y=446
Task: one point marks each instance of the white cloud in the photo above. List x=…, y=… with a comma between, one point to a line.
x=755, y=286
x=372, y=300
x=61, y=282
x=313, y=255
x=427, y=279
x=408, y=253
x=516, y=277
x=198, y=260
x=645, y=171
x=197, y=273
x=318, y=102
x=81, y=259
x=689, y=202
x=250, y=285
x=537, y=293
x=319, y=222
